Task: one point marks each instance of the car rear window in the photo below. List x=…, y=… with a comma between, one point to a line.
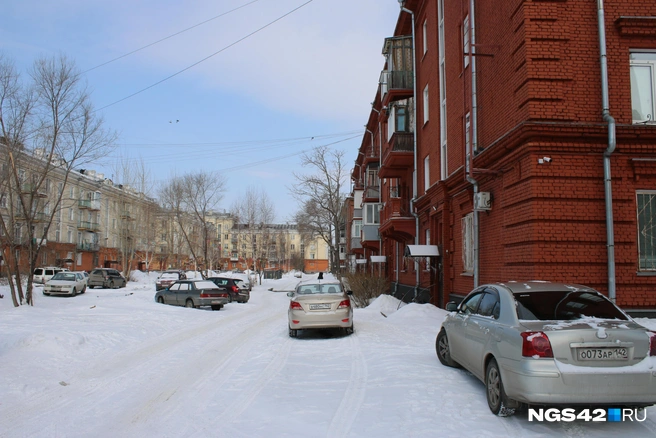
x=38, y=271
x=565, y=306
x=308, y=289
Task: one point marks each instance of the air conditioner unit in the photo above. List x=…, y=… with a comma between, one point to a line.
x=483, y=201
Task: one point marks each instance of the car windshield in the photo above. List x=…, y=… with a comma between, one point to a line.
x=63, y=276
x=565, y=306
x=307, y=289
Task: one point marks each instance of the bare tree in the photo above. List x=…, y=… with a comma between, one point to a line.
x=48, y=127
x=321, y=197
x=192, y=198
x=254, y=211
x=138, y=231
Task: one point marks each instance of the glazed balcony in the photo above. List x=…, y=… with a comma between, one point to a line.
x=88, y=246
x=398, y=156
x=397, y=82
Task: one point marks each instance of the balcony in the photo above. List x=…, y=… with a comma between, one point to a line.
x=397, y=82
x=88, y=226
x=29, y=188
x=36, y=217
x=87, y=204
x=397, y=222
x=371, y=194
x=88, y=246
x=398, y=156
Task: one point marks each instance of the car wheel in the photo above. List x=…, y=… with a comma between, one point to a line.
x=496, y=395
x=84, y=289
x=443, y=350
x=111, y=284
x=349, y=330
x=160, y=300
x=189, y=303
x=229, y=298
x=45, y=293
x=219, y=307
x=293, y=333
x=73, y=292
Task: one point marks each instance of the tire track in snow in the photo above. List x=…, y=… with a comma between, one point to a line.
x=66, y=404
x=247, y=396
x=353, y=398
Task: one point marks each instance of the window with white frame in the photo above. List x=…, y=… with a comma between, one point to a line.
x=426, y=103
x=443, y=143
x=465, y=40
x=425, y=36
x=467, y=226
x=426, y=172
x=372, y=214
x=646, y=205
x=643, y=87
x=357, y=227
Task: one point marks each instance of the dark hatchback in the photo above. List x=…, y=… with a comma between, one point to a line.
x=193, y=293
x=234, y=287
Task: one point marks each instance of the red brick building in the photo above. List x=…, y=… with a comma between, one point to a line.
x=519, y=138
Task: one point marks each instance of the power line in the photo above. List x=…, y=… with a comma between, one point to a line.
x=207, y=57
x=170, y=36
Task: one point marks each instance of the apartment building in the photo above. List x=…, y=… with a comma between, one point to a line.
x=514, y=140
x=76, y=218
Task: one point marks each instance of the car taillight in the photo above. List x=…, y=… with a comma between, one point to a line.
x=536, y=344
x=204, y=295
x=344, y=304
x=294, y=305
x=652, y=343
x=235, y=289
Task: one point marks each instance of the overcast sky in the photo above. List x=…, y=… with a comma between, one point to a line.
x=249, y=106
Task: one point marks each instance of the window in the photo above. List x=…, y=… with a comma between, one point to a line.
x=643, y=87
x=465, y=41
x=467, y=226
x=470, y=305
x=426, y=104
x=646, y=203
x=3, y=200
x=357, y=227
x=401, y=118
x=489, y=305
x=71, y=214
x=425, y=36
x=372, y=214
x=426, y=173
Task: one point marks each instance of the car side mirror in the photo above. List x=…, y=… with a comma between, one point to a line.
x=349, y=292
x=451, y=306
x=290, y=294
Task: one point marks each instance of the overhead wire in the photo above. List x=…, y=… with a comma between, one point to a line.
x=170, y=36
x=206, y=58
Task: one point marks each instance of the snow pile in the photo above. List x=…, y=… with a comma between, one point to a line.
x=385, y=304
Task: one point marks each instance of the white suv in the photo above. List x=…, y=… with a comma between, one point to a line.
x=42, y=275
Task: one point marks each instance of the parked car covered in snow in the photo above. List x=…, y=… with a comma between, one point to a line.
x=542, y=343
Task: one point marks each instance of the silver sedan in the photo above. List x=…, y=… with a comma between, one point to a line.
x=318, y=304
x=541, y=343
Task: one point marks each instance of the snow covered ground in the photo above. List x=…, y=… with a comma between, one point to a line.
x=113, y=363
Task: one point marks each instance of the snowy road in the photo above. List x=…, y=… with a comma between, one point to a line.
x=113, y=363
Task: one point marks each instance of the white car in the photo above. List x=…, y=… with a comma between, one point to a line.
x=318, y=304
x=66, y=283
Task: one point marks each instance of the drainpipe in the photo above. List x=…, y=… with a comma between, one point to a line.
x=612, y=142
x=414, y=110
x=474, y=138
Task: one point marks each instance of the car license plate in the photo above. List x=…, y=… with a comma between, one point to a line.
x=319, y=306
x=603, y=354
x=216, y=302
